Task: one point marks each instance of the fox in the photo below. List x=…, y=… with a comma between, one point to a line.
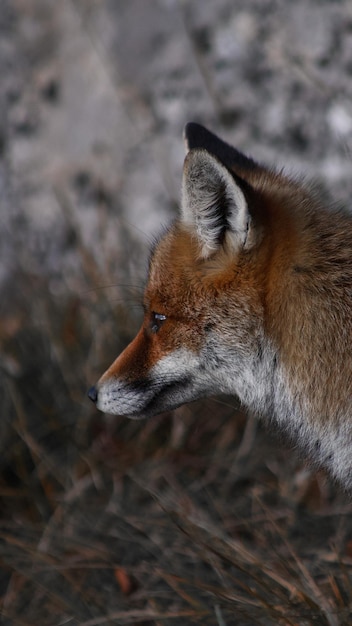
x=249, y=293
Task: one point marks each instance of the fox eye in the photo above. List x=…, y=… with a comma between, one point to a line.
x=157, y=321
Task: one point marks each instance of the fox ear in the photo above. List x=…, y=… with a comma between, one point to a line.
x=213, y=204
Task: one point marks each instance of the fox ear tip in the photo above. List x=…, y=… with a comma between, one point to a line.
x=192, y=134
x=191, y=126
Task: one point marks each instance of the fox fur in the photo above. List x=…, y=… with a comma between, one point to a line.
x=249, y=293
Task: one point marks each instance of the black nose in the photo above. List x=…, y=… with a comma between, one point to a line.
x=93, y=394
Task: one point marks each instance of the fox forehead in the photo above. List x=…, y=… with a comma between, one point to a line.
x=174, y=281
x=179, y=281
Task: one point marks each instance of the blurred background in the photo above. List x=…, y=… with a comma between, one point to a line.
x=199, y=516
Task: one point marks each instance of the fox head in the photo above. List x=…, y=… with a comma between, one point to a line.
x=204, y=303
x=203, y=314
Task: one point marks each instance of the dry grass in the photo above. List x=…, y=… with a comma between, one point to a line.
x=196, y=517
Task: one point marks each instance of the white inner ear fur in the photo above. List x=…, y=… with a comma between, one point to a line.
x=213, y=205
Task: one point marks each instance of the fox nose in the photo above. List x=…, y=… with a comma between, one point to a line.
x=93, y=394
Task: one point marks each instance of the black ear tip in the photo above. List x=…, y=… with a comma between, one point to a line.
x=93, y=394
x=192, y=129
x=192, y=126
